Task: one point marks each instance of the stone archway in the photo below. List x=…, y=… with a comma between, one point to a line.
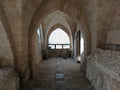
x=87, y=38
x=63, y=28
x=39, y=17
x=59, y=51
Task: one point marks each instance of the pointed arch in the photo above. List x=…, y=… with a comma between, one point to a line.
x=64, y=29
x=48, y=8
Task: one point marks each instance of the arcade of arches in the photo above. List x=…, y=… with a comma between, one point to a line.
x=89, y=61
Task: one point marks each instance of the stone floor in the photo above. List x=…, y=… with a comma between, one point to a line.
x=58, y=74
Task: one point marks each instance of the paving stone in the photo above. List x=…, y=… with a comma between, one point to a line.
x=50, y=77
x=59, y=68
x=59, y=76
x=60, y=85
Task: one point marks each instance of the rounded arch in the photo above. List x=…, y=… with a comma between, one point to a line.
x=7, y=52
x=64, y=29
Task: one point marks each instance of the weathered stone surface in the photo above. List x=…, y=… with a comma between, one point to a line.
x=103, y=70
x=8, y=79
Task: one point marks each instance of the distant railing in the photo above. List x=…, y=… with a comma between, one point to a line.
x=59, y=46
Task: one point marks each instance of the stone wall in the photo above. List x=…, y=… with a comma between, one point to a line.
x=103, y=70
x=59, y=53
x=6, y=54
x=113, y=41
x=6, y=50
x=8, y=79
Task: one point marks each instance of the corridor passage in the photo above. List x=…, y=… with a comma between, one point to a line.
x=58, y=74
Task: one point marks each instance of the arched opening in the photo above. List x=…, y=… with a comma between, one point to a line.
x=40, y=19
x=53, y=26
x=87, y=33
x=59, y=43
x=58, y=36
x=65, y=29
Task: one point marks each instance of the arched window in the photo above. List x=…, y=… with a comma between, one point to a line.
x=59, y=39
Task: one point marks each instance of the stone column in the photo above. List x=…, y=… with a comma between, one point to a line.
x=74, y=47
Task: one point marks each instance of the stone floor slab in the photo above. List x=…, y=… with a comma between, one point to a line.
x=58, y=74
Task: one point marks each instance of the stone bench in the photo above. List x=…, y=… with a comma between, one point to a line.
x=103, y=70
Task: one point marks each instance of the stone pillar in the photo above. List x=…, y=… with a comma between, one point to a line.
x=9, y=79
x=74, y=47
x=78, y=43
x=78, y=38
